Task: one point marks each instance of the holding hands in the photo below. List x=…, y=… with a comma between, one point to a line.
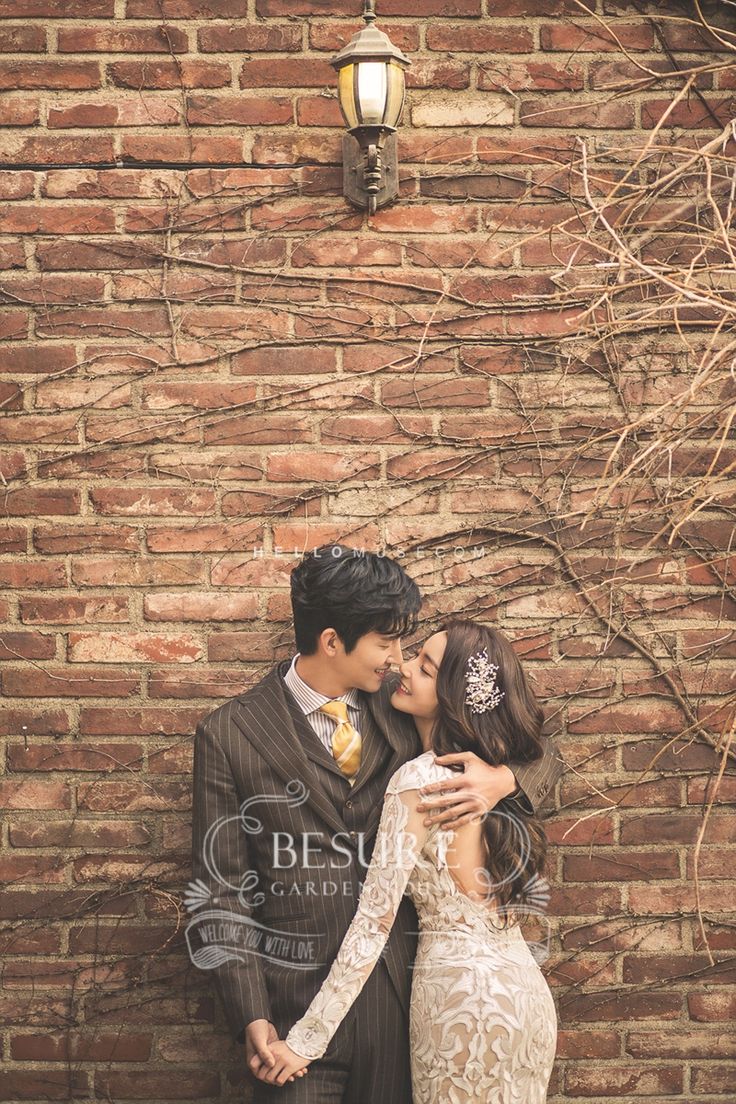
x=268, y=1058
x=287, y=1065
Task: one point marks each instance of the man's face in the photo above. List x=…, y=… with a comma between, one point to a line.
x=366, y=666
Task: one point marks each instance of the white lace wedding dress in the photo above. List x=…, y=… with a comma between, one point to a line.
x=483, y=1024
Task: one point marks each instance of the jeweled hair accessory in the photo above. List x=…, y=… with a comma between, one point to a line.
x=480, y=679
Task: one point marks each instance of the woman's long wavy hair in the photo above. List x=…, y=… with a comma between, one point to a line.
x=514, y=841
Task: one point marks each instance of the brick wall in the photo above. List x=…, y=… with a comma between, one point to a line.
x=211, y=361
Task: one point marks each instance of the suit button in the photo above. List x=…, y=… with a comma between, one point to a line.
x=348, y=804
x=353, y=833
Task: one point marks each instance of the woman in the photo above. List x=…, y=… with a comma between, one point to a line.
x=483, y=1024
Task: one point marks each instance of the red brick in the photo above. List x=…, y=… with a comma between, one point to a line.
x=596, y=36
x=16, y=111
x=239, y=111
x=111, y=183
x=154, y=721
x=70, y=1046
x=434, y=392
x=186, y=9
x=121, y=1084
x=249, y=570
x=203, y=537
x=426, y=463
x=200, y=607
x=274, y=149
x=132, y=647
x=426, y=218
x=16, y=184
x=147, y=110
x=49, y=74
x=284, y=73
x=182, y=148
x=328, y=467
x=533, y=8
x=35, y=794
x=12, y=465
x=295, y=536
x=29, y=501
x=132, y=40
x=334, y=34
x=258, y=429
x=26, y=645
x=151, y=501
x=482, y=38
x=49, y=150
x=374, y=429
x=14, y=325
x=57, y=429
x=290, y=214
x=249, y=38
x=692, y=36
x=187, y=73
x=712, y=1007
x=623, y=1081
x=691, y=115
x=608, y=114
x=331, y=251
x=84, y=538
x=284, y=360
x=62, y=611
x=500, y=75
x=105, y=797
x=65, y=682
x=12, y=255
x=430, y=73
x=29, y=39
x=57, y=219
x=83, y=757
x=267, y=8
x=444, y=8
x=318, y=111
x=283, y=501
x=57, y=9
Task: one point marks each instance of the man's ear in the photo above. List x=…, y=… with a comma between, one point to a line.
x=329, y=642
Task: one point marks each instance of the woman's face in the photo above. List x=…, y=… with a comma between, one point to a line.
x=417, y=691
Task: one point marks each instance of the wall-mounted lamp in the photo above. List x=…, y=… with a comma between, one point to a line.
x=370, y=86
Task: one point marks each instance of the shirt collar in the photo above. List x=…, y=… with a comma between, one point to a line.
x=310, y=700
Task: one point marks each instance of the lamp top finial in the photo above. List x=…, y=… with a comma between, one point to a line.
x=369, y=11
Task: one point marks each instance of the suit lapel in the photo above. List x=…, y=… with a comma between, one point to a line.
x=375, y=746
x=289, y=743
x=264, y=718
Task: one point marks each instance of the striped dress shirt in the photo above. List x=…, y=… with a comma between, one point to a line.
x=309, y=701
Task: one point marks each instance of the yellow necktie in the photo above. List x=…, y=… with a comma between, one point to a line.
x=346, y=741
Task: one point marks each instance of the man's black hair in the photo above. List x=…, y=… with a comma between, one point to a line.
x=353, y=592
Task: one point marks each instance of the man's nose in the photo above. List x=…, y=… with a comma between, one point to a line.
x=396, y=653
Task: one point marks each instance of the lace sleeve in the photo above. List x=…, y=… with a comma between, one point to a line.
x=399, y=841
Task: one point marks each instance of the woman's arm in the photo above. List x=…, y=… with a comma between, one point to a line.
x=399, y=841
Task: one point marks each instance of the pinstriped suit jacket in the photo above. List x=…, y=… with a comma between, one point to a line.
x=251, y=747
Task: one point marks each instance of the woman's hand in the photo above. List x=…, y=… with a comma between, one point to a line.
x=468, y=796
x=287, y=1066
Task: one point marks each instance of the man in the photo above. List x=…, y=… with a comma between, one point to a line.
x=289, y=780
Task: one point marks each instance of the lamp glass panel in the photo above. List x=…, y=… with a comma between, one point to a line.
x=372, y=92
x=395, y=98
x=346, y=95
